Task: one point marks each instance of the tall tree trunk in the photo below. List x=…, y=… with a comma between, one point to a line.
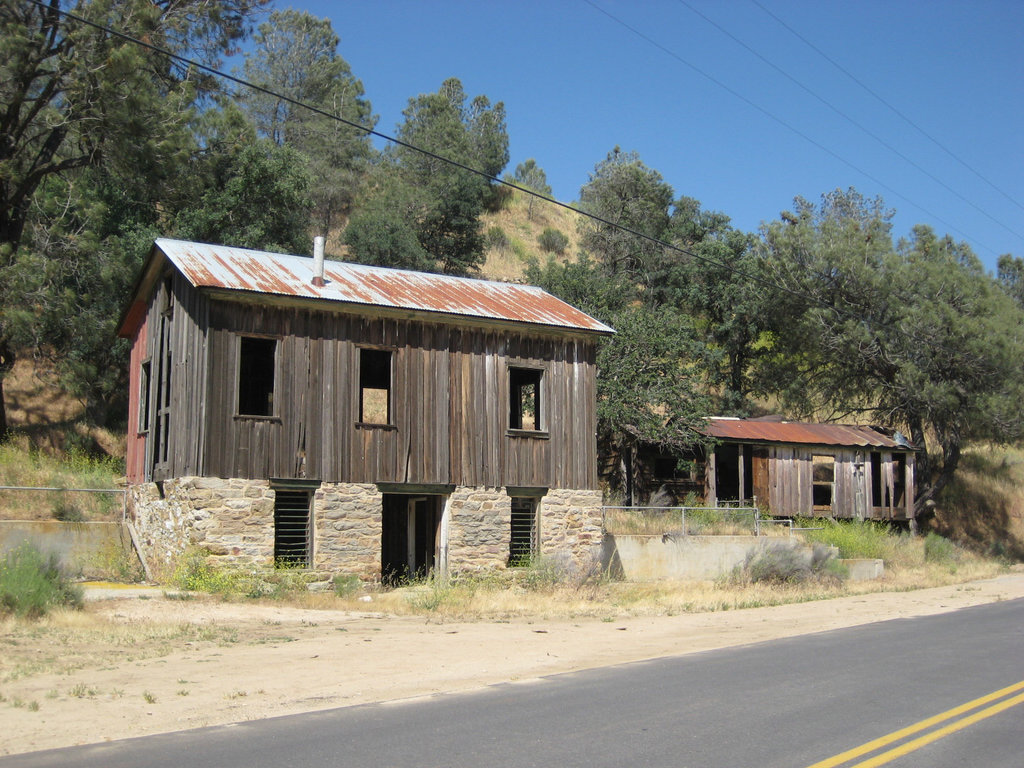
x=6, y=363
x=923, y=471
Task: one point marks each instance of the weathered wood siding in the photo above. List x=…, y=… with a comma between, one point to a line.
x=791, y=482
x=449, y=399
x=135, y=444
x=172, y=340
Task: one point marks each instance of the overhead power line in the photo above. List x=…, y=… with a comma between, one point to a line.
x=775, y=118
x=853, y=121
x=883, y=101
x=811, y=299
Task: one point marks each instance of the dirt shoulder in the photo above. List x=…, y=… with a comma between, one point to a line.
x=165, y=665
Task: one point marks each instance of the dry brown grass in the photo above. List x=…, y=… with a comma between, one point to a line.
x=42, y=414
x=522, y=226
x=68, y=641
x=20, y=466
x=984, y=507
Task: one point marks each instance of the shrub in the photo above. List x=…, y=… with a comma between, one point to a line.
x=346, y=584
x=195, y=573
x=788, y=565
x=853, y=538
x=552, y=240
x=32, y=583
x=940, y=550
x=116, y=561
x=68, y=512
x=496, y=238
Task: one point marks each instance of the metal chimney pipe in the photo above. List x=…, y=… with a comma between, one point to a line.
x=318, y=261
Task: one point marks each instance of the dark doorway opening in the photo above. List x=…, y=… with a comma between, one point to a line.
x=727, y=472
x=409, y=537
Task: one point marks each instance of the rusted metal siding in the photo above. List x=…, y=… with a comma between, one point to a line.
x=839, y=435
x=239, y=269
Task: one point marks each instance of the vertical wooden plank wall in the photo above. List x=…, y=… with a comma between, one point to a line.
x=135, y=447
x=450, y=404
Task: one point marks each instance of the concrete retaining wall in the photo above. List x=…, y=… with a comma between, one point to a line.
x=84, y=549
x=864, y=569
x=650, y=558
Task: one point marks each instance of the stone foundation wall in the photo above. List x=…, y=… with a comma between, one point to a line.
x=347, y=525
x=234, y=520
x=479, y=528
x=570, y=526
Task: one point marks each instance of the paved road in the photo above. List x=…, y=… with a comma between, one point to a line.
x=794, y=702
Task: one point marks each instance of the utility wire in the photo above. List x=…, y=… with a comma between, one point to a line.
x=788, y=126
x=768, y=283
x=851, y=120
x=883, y=101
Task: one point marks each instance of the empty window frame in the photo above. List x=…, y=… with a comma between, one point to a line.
x=524, y=386
x=256, y=368
x=293, y=527
x=374, y=386
x=145, y=375
x=524, y=541
x=823, y=469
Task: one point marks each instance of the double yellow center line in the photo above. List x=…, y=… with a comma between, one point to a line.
x=928, y=738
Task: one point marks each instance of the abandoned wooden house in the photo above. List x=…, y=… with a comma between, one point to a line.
x=811, y=470
x=356, y=419
x=789, y=468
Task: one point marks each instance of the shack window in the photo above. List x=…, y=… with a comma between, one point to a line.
x=293, y=537
x=824, y=473
x=525, y=540
x=374, y=386
x=256, y=363
x=524, y=398
x=145, y=373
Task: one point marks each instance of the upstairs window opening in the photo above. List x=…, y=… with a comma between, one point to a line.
x=256, y=364
x=145, y=375
x=374, y=386
x=524, y=398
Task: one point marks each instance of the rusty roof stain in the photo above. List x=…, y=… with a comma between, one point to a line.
x=838, y=435
x=241, y=269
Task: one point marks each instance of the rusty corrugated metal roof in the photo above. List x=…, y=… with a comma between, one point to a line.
x=241, y=269
x=797, y=432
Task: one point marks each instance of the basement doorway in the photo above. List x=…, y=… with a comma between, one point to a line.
x=410, y=535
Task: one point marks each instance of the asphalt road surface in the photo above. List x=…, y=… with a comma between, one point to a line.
x=944, y=690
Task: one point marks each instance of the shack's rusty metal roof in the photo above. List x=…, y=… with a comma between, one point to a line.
x=241, y=269
x=843, y=435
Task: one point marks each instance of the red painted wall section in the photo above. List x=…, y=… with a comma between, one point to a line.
x=135, y=452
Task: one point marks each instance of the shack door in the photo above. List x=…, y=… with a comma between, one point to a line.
x=759, y=471
x=409, y=537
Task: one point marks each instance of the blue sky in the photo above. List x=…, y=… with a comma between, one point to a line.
x=709, y=108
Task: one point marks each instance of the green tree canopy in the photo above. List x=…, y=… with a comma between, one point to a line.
x=295, y=55
x=629, y=196
x=451, y=199
x=915, y=335
x=76, y=98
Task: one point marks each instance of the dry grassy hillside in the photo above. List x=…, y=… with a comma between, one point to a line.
x=520, y=224
x=984, y=505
